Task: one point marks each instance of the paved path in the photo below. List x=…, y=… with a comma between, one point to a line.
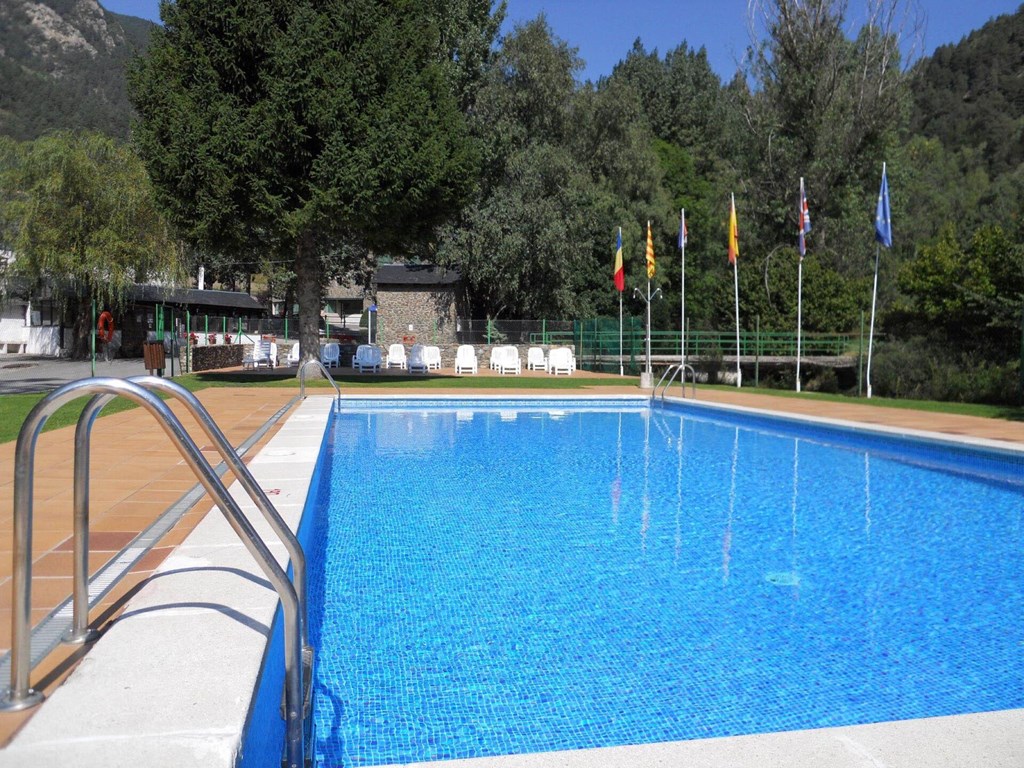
x=29, y=373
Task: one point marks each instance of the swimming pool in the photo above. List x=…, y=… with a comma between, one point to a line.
x=520, y=578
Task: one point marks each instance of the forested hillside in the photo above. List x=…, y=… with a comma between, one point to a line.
x=62, y=67
x=971, y=95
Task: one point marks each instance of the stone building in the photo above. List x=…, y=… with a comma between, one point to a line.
x=418, y=303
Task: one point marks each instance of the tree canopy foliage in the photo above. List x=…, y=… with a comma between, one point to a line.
x=80, y=212
x=299, y=125
x=305, y=138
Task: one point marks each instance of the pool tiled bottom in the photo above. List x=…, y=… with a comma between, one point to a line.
x=560, y=581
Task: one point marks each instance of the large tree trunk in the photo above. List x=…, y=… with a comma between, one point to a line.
x=79, y=314
x=308, y=295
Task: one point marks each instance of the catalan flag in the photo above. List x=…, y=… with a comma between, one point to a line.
x=619, y=275
x=650, y=253
x=734, y=234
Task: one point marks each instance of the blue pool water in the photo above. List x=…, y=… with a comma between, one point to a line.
x=518, y=579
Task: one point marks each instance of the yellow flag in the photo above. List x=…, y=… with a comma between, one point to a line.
x=734, y=234
x=650, y=253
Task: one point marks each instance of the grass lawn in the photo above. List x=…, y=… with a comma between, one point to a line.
x=14, y=408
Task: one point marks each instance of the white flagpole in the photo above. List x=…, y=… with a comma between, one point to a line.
x=800, y=287
x=648, y=327
x=871, y=331
x=736, y=284
x=621, y=369
x=682, y=309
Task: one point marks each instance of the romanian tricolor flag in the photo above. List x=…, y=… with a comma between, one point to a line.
x=734, y=234
x=619, y=275
x=650, y=252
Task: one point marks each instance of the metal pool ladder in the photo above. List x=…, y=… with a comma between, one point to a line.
x=326, y=373
x=671, y=373
x=298, y=660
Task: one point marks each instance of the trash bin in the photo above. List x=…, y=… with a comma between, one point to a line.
x=153, y=356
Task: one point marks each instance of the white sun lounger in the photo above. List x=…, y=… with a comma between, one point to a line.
x=417, y=362
x=433, y=357
x=367, y=357
x=561, y=361
x=508, y=360
x=330, y=355
x=535, y=360
x=465, y=359
x=396, y=356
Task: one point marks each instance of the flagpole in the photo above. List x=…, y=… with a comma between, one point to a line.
x=736, y=284
x=883, y=236
x=800, y=285
x=871, y=330
x=799, y=315
x=621, y=373
x=682, y=308
x=621, y=369
x=649, y=330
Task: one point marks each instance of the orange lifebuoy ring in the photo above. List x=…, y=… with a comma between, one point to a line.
x=105, y=327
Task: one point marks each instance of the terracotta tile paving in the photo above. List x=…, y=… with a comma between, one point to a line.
x=136, y=474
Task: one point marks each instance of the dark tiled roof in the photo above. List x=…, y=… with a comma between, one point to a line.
x=158, y=294
x=415, y=274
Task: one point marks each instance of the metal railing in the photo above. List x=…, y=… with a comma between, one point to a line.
x=323, y=369
x=604, y=342
x=20, y=695
x=671, y=373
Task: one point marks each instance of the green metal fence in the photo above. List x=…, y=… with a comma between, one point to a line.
x=594, y=338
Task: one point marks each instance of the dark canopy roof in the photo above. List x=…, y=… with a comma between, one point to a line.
x=194, y=299
x=415, y=274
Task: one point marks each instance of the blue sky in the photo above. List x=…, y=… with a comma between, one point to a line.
x=604, y=30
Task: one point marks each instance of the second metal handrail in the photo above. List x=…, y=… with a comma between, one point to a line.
x=79, y=631
x=327, y=375
x=20, y=695
x=675, y=370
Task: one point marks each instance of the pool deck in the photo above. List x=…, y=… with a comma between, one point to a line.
x=137, y=475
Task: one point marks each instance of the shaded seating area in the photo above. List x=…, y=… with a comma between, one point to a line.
x=367, y=357
x=465, y=359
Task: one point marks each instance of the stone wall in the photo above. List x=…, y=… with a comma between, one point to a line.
x=213, y=357
x=431, y=313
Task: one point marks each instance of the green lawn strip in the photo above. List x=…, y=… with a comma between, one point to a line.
x=15, y=408
x=1008, y=412
x=355, y=381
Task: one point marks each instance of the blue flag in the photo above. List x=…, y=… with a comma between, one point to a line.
x=883, y=222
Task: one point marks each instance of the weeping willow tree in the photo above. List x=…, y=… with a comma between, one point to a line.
x=80, y=215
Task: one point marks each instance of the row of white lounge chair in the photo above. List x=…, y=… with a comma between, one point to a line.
x=421, y=358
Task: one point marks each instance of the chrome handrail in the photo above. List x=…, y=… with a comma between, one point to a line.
x=79, y=632
x=327, y=375
x=20, y=695
x=675, y=370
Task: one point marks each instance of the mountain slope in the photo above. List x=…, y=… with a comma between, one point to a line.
x=971, y=95
x=62, y=66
